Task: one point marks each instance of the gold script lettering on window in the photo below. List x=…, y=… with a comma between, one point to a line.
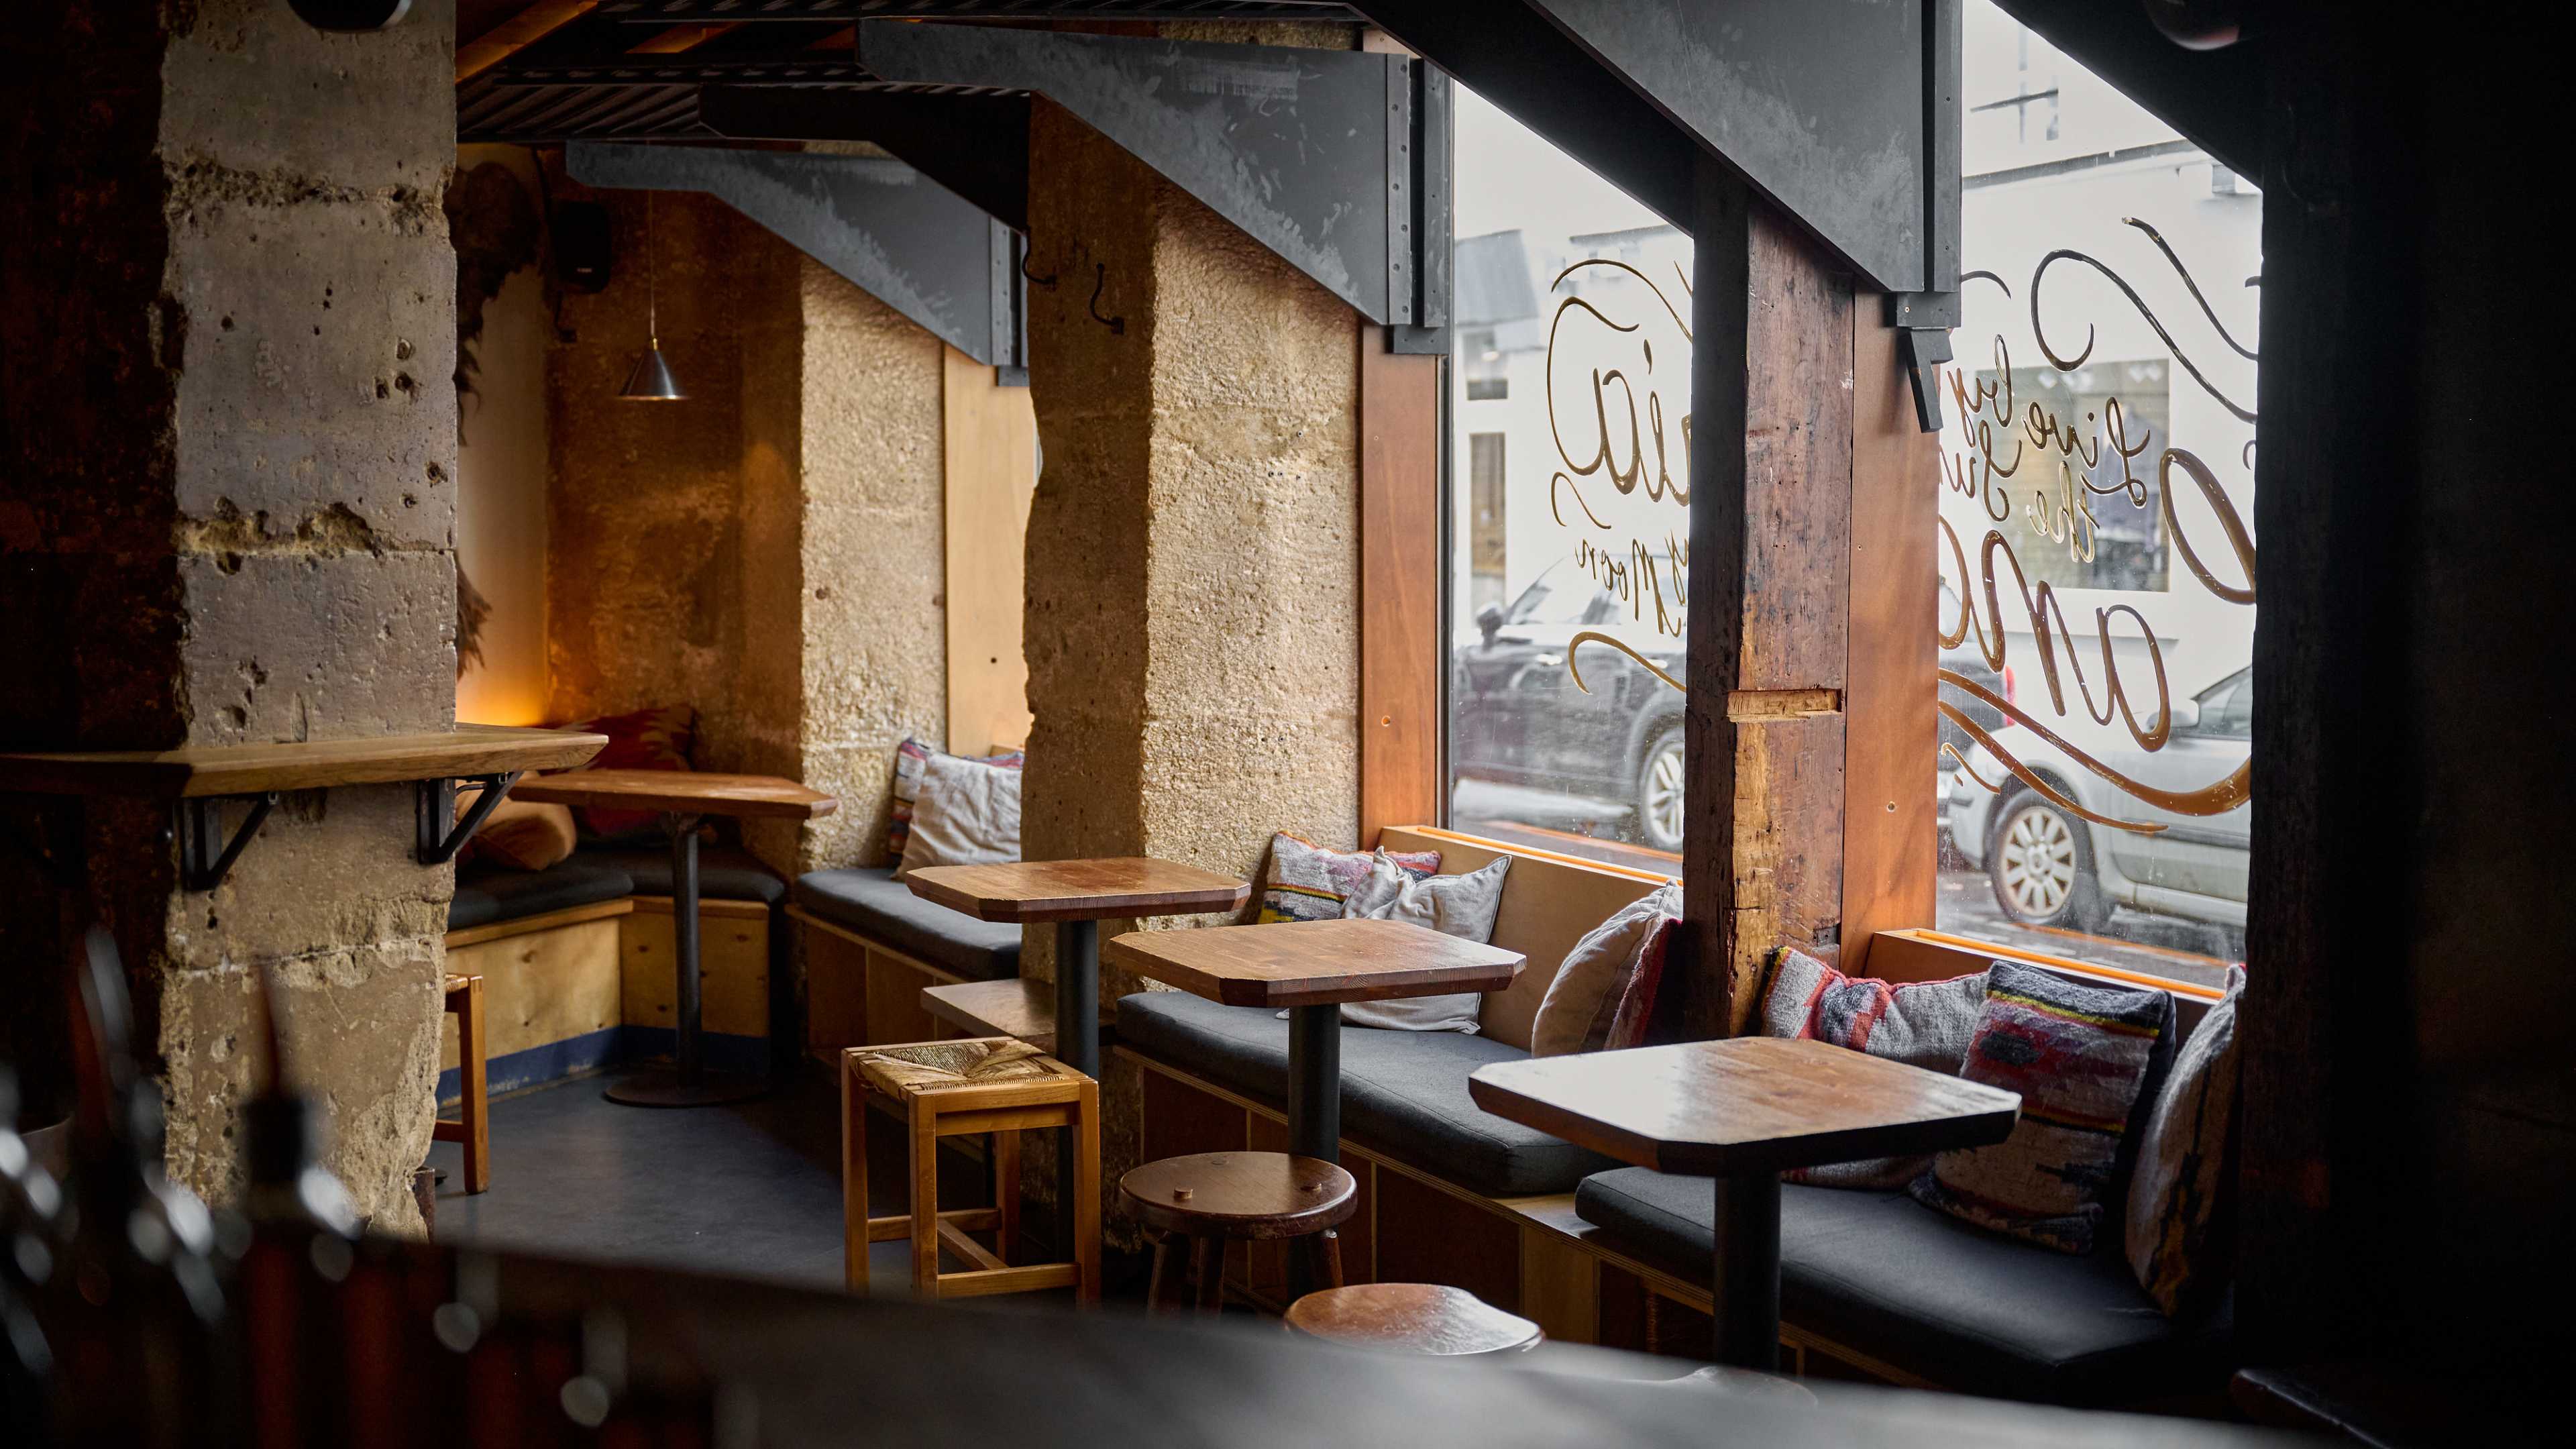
x=1568, y=564
x=2096, y=547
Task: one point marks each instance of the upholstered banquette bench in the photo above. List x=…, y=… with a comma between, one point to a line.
x=871, y=945
x=1874, y=1284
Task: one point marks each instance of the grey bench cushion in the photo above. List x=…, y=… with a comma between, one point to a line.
x=725, y=872
x=1891, y=1278
x=489, y=894
x=873, y=903
x=1403, y=1092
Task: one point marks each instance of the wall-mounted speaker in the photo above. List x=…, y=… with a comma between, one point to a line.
x=581, y=246
x=353, y=15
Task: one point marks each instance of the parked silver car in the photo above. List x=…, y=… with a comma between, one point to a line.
x=2050, y=868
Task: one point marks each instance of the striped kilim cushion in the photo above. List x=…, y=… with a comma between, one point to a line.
x=1309, y=883
x=2080, y=1056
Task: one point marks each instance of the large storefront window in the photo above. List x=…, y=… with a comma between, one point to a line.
x=1570, y=403
x=2097, y=586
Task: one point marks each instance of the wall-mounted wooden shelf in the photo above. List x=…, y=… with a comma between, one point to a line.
x=200, y=778
x=203, y=771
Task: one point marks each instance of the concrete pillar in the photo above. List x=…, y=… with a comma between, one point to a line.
x=1193, y=553
x=229, y=518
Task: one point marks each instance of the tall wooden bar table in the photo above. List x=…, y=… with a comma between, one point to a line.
x=1076, y=896
x=1743, y=1111
x=684, y=798
x=1311, y=968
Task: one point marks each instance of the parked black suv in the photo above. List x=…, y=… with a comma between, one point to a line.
x=1519, y=718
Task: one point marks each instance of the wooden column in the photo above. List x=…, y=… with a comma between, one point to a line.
x=1771, y=525
x=1401, y=649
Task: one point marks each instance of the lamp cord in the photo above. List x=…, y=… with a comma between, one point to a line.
x=652, y=282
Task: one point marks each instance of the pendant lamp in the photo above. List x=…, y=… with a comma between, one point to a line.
x=651, y=381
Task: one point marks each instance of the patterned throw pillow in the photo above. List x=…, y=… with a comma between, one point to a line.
x=2175, y=1224
x=660, y=738
x=911, y=765
x=1604, y=995
x=2080, y=1056
x=1923, y=1024
x=1309, y=883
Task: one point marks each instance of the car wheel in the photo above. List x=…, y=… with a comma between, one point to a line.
x=1660, y=782
x=2041, y=864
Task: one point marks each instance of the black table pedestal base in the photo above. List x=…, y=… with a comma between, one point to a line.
x=687, y=1082
x=1747, y=1282
x=1314, y=1106
x=1077, y=1045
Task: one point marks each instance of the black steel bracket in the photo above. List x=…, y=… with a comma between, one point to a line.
x=1318, y=155
x=440, y=833
x=897, y=235
x=1923, y=323
x=205, y=855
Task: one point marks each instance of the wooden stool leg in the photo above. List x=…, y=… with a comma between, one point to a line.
x=1207, y=1269
x=1165, y=1290
x=925, y=1200
x=854, y=1178
x=1004, y=1155
x=477, y=1108
x=1086, y=1194
x=1327, y=1249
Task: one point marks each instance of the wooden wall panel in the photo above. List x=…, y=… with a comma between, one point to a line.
x=990, y=442
x=1425, y=1235
x=733, y=966
x=836, y=989
x=539, y=987
x=1401, y=649
x=1891, y=738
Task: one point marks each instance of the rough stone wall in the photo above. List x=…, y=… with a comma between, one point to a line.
x=874, y=630
x=232, y=520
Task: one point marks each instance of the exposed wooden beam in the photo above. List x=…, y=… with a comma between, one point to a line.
x=516, y=34
x=683, y=37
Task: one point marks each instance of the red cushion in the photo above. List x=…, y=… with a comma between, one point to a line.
x=660, y=738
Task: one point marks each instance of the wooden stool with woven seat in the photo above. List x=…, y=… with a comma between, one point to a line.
x=473, y=1124
x=989, y=1085
x=1215, y=1197
x=1430, y=1319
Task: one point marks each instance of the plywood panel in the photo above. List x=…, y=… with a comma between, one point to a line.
x=540, y=987
x=836, y=987
x=1400, y=643
x=1891, y=741
x=733, y=966
x=1560, y=1286
x=990, y=436
x=1548, y=905
x=1426, y=1235
x=894, y=1011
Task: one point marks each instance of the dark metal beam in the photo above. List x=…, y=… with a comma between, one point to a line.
x=652, y=12
x=897, y=235
x=976, y=145
x=1310, y=152
x=2214, y=97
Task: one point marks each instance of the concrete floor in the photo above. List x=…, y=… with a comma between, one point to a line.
x=752, y=1189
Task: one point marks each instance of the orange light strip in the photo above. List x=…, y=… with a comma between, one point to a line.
x=2085, y=968
x=516, y=34
x=683, y=37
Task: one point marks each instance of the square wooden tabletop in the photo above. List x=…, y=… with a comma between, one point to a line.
x=1747, y=1104
x=682, y=792
x=1078, y=890
x=1311, y=963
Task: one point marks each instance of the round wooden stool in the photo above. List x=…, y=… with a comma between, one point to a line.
x=1213, y=1197
x=1423, y=1318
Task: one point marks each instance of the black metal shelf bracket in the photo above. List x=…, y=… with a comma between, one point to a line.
x=434, y=808
x=1923, y=321
x=205, y=855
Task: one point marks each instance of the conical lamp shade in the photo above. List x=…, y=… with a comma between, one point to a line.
x=651, y=381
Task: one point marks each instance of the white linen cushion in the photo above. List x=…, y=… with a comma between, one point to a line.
x=2174, y=1217
x=1456, y=905
x=968, y=813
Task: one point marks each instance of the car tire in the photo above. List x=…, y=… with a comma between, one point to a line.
x=1661, y=782
x=2039, y=858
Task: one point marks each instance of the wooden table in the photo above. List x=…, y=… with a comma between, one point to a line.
x=684, y=798
x=1311, y=968
x=1743, y=1111
x=1076, y=896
